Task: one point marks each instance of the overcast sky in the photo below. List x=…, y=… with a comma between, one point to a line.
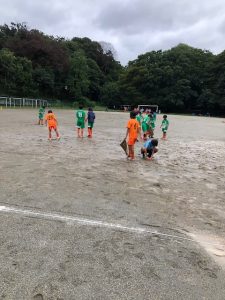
x=132, y=26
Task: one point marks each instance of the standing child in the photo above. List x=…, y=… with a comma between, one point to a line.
x=80, y=122
x=151, y=125
x=133, y=130
x=145, y=125
x=41, y=113
x=91, y=119
x=51, y=120
x=164, y=126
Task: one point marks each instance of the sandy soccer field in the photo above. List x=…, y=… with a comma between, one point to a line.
x=79, y=221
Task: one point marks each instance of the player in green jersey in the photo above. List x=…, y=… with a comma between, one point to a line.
x=151, y=125
x=145, y=126
x=80, y=115
x=41, y=113
x=139, y=118
x=164, y=126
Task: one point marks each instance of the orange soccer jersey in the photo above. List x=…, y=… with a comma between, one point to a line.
x=51, y=119
x=133, y=127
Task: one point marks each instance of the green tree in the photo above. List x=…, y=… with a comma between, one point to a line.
x=15, y=74
x=77, y=81
x=110, y=94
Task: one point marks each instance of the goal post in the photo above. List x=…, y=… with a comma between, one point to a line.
x=154, y=108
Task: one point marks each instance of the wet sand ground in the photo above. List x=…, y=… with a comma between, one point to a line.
x=181, y=194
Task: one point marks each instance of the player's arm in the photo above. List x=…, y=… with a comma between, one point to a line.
x=128, y=131
x=153, y=152
x=139, y=133
x=86, y=117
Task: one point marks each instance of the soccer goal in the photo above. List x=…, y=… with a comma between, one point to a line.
x=144, y=107
x=15, y=102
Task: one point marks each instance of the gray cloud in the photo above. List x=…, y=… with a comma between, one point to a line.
x=132, y=26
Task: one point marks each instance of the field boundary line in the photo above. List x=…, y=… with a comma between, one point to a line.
x=93, y=223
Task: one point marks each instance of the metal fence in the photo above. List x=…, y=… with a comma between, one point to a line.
x=22, y=102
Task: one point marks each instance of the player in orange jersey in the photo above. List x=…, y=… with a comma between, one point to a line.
x=133, y=131
x=51, y=120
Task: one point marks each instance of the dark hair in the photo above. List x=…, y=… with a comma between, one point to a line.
x=132, y=114
x=90, y=109
x=80, y=106
x=165, y=117
x=50, y=112
x=154, y=142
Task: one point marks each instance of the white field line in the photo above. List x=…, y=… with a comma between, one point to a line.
x=94, y=223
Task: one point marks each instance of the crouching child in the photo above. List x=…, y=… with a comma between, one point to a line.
x=149, y=149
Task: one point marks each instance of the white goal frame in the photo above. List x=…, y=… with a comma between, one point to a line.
x=148, y=106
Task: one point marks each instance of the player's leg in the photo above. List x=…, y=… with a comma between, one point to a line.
x=57, y=133
x=78, y=132
x=82, y=129
x=143, y=152
x=129, y=151
x=151, y=132
x=131, y=143
x=164, y=135
x=49, y=133
x=89, y=131
x=132, y=151
x=78, y=128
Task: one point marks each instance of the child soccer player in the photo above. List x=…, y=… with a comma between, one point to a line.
x=51, y=120
x=150, y=148
x=164, y=126
x=145, y=126
x=80, y=122
x=133, y=130
x=139, y=118
x=91, y=119
x=41, y=113
x=151, y=125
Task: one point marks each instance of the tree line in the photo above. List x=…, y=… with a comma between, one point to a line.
x=183, y=79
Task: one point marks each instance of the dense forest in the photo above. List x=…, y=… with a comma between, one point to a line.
x=182, y=79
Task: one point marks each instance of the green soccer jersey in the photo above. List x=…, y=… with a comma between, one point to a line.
x=80, y=119
x=145, y=123
x=152, y=122
x=165, y=124
x=146, y=119
x=139, y=119
x=80, y=115
x=41, y=112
